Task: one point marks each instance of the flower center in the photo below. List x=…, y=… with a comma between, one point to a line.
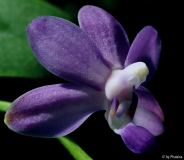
x=119, y=91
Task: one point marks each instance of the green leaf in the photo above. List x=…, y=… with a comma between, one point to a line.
x=16, y=57
x=4, y=105
x=74, y=149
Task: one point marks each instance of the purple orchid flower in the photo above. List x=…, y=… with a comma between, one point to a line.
x=107, y=74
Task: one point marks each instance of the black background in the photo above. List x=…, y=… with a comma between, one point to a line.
x=94, y=135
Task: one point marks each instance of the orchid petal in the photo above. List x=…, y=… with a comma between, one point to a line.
x=138, y=139
x=67, y=51
x=107, y=33
x=148, y=113
x=55, y=110
x=145, y=48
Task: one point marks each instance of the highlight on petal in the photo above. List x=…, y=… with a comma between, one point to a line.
x=67, y=51
x=55, y=110
x=138, y=139
x=107, y=33
x=145, y=48
x=148, y=113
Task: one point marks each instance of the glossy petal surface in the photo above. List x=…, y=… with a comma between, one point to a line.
x=145, y=48
x=138, y=139
x=148, y=113
x=107, y=33
x=53, y=111
x=67, y=51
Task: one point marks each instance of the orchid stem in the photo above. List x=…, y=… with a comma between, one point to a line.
x=74, y=149
x=4, y=105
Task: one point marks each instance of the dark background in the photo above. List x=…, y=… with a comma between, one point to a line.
x=94, y=135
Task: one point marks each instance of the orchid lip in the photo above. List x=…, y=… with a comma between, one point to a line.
x=119, y=90
x=119, y=115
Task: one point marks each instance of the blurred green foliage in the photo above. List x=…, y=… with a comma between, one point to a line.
x=16, y=57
